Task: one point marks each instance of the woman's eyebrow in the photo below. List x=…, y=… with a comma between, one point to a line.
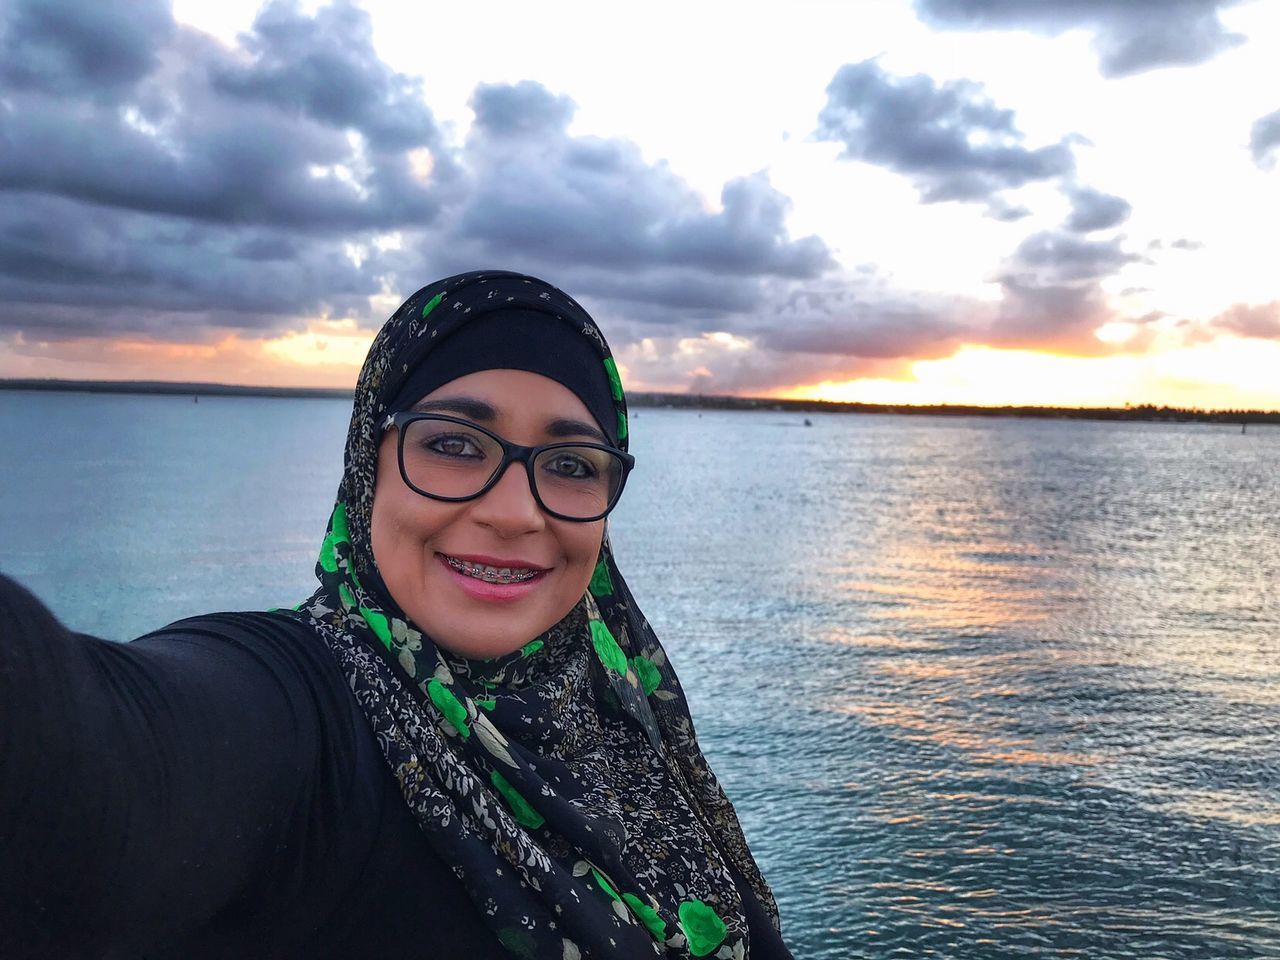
x=564, y=427
x=472, y=408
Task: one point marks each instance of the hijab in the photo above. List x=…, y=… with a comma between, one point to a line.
x=562, y=783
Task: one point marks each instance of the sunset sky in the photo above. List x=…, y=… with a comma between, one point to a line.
x=1069, y=202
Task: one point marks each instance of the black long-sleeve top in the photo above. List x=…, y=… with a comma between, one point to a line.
x=211, y=790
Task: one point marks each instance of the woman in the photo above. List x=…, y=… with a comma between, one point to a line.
x=467, y=742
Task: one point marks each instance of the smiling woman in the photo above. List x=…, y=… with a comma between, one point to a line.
x=482, y=574
x=467, y=739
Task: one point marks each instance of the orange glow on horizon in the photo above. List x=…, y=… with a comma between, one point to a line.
x=327, y=354
x=1227, y=373
x=340, y=344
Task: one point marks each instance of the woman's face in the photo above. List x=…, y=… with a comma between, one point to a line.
x=424, y=548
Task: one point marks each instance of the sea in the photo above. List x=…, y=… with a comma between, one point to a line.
x=978, y=687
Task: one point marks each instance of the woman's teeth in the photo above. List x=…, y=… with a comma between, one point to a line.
x=491, y=574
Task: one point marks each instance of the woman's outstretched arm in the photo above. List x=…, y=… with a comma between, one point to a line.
x=153, y=789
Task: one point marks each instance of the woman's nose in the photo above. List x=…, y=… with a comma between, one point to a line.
x=509, y=506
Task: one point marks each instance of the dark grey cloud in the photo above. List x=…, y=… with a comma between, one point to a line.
x=1051, y=298
x=592, y=202
x=835, y=327
x=323, y=67
x=1051, y=316
x=757, y=372
x=855, y=317
x=1050, y=257
x=75, y=47
x=691, y=299
x=712, y=365
x=949, y=138
x=1130, y=36
x=1094, y=210
x=179, y=143
x=632, y=239
x=189, y=187
x=856, y=322
x=1264, y=140
x=155, y=182
x=1251, y=320
x=524, y=109
x=73, y=269
x=1052, y=293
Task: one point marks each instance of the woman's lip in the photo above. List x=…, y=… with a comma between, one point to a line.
x=496, y=561
x=491, y=592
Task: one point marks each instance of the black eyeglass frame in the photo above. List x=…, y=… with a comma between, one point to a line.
x=511, y=453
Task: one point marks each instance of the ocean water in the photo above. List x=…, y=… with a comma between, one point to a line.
x=978, y=688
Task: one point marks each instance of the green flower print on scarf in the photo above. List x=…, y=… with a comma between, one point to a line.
x=702, y=926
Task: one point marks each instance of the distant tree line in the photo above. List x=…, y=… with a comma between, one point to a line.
x=1144, y=411
x=175, y=388
x=698, y=401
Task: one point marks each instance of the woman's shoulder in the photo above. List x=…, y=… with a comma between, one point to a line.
x=271, y=625
x=22, y=611
x=274, y=644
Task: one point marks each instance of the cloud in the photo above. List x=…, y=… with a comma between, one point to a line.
x=949, y=138
x=524, y=109
x=77, y=47
x=324, y=68
x=156, y=183
x=722, y=363
x=1251, y=320
x=854, y=316
x=185, y=141
x=182, y=192
x=294, y=176
x=850, y=324
x=630, y=237
x=68, y=268
x=1264, y=140
x=1053, y=257
x=1129, y=37
x=1093, y=210
x=672, y=296
x=592, y=202
x=1052, y=293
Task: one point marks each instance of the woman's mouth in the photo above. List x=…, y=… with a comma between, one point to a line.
x=489, y=573
x=496, y=580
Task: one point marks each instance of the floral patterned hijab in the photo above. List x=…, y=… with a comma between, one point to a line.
x=563, y=783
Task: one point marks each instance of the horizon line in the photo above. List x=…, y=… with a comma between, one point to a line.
x=652, y=398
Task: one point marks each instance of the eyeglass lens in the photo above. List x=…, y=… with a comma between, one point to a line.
x=448, y=459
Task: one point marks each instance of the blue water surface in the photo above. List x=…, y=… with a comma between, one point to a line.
x=978, y=688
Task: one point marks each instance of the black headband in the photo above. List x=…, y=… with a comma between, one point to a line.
x=517, y=339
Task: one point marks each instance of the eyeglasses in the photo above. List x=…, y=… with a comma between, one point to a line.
x=446, y=458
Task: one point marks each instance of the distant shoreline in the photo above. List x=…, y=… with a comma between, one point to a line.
x=642, y=400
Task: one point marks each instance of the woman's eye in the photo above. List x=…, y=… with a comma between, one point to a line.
x=573, y=467
x=454, y=446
